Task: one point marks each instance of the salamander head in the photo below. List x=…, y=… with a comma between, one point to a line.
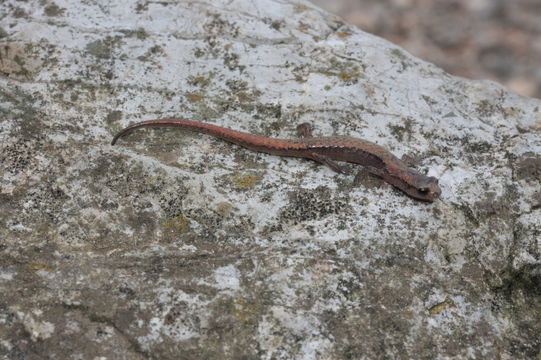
x=430, y=189
x=421, y=187
x=415, y=184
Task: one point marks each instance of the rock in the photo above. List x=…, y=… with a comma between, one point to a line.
x=173, y=245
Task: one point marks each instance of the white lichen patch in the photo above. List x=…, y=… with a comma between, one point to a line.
x=38, y=329
x=227, y=278
x=7, y=275
x=314, y=345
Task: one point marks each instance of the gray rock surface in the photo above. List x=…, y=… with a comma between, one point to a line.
x=178, y=246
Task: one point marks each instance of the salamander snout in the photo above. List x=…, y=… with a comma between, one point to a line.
x=430, y=188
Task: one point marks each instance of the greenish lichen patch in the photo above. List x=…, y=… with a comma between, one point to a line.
x=528, y=167
x=153, y=51
x=23, y=112
x=177, y=223
x=116, y=174
x=486, y=108
x=21, y=62
x=19, y=12
x=139, y=34
x=232, y=61
x=518, y=298
x=300, y=8
x=439, y=307
x=217, y=25
x=243, y=98
x=245, y=180
x=237, y=85
x=274, y=24
x=449, y=115
x=78, y=93
x=348, y=72
x=399, y=54
x=103, y=48
x=401, y=58
x=202, y=80
x=194, y=97
x=402, y=130
x=478, y=147
x=469, y=214
x=526, y=280
x=113, y=116
x=300, y=72
x=343, y=34
x=245, y=312
x=45, y=200
x=492, y=206
x=53, y=10
x=37, y=266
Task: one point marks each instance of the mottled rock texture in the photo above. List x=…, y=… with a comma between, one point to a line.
x=174, y=245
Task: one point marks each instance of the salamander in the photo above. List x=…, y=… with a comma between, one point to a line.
x=326, y=150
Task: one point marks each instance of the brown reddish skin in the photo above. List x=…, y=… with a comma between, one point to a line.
x=376, y=159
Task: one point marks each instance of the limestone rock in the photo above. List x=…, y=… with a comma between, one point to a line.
x=176, y=245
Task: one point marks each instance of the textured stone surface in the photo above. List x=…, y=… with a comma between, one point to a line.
x=480, y=39
x=174, y=245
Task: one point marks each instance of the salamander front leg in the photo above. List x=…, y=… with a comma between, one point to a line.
x=410, y=161
x=304, y=130
x=366, y=173
x=330, y=163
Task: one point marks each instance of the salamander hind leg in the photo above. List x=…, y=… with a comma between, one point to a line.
x=330, y=163
x=304, y=130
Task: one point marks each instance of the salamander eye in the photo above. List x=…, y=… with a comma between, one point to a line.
x=423, y=189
